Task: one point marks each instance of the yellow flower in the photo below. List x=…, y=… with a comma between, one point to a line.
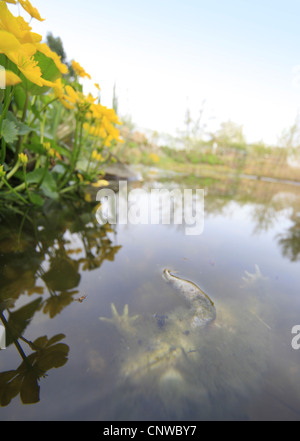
x=54, y=153
x=2, y=172
x=26, y=63
x=97, y=86
x=79, y=70
x=30, y=9
x=8, y=22
x=80, y=177
x=94, y=154
x=27, y=35
x=97, y=156
x=154, y=157
x=68, y=100
x=59, y=90
x=87, y=197
x=100, y=183
x=23, y=158
x=47, y=83
x=71, y=94
x=9, y=78
x=108, y=141
x=45, y=49
x=47, y=146
x=67, y=105
x=13, y=2
x=23, y=25
x=50, y=151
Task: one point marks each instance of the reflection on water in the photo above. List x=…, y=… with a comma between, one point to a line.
x=61, y=271
x=39, y=248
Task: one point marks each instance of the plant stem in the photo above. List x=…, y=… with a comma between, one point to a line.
x=20, y=141
x=66, y=176
x=15, y=340
x=44, y=173
x=7, y=99
x=14, y=191
x=11, y=173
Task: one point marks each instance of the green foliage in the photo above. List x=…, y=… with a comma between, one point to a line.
x=191, y=156
x=56, y=45
x=49, y=72
x=9, y=131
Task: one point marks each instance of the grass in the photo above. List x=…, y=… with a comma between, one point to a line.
x=257, y=160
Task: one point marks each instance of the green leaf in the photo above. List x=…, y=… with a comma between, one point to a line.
x=30, y=389
x=35, y=147
x=35, y=176
x=9, y=131
x=20, y=319
x=49, y=186
x=19, y=96
x=40, y=342
x=36, y=112
x=59, y=169
x=9, y=386
x=22, y=128
x=36, y=199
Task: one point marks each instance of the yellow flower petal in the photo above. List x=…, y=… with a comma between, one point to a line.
x=45, y=49
x=100, y=183
x=9, y=22
x=79, y=70
x=67, y=105
x=8, y=42
x=72, y=95
x=27, y=6
x=10, y=78
x=87, y=197
x=94, y=154
x=31, y=37
x=26, y=63
x=23, y=158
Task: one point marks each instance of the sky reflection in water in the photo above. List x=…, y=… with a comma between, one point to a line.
x=61, y=271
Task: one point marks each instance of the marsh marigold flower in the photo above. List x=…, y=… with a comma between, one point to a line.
x=45, y=49
x=100, y=183
x=26, y=64
x=79, y=70
x=27, y=6
x=2, y=172
x=17, y=26
x=23, y=158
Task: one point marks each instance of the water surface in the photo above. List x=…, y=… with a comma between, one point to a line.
x=60, y=271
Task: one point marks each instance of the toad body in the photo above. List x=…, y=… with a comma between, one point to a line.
x=159, y=344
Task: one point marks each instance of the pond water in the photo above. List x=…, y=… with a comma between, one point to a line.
x=61, y=271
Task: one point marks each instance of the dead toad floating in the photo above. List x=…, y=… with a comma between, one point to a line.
x=158, y=343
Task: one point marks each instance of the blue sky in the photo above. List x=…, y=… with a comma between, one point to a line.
x=241, y=56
